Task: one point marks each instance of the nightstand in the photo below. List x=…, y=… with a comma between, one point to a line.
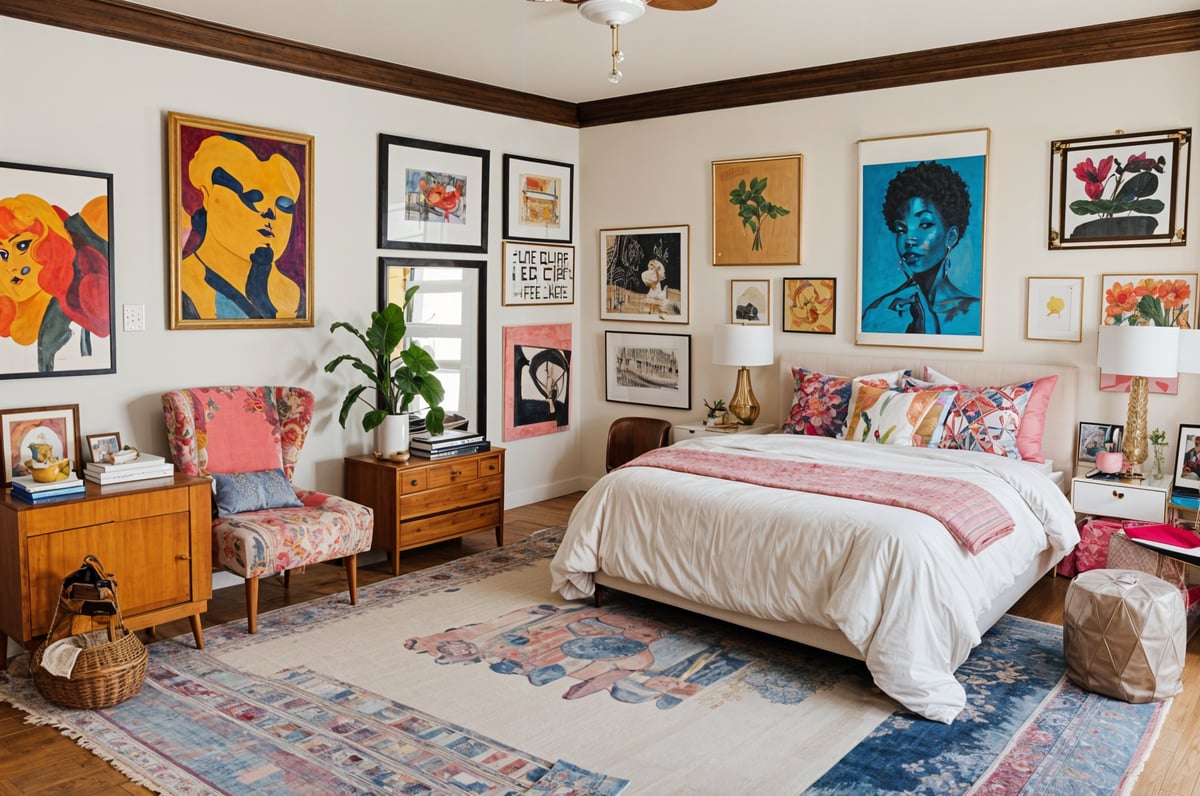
x=692, y=430
x=1140, y=500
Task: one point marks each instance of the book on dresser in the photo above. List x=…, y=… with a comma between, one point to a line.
x=31, y=491
x=147, y=465
x=480, y=446
x=450, y=438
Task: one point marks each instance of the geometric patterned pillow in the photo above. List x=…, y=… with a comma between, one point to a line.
x=986, y=419
x=1033, y=419
x=820, y=403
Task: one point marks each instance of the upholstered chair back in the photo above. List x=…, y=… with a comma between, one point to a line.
x=237, y=429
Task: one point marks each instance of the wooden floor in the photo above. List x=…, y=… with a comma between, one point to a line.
x=39, y=760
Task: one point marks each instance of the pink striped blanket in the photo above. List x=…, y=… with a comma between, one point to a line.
x=973, y=517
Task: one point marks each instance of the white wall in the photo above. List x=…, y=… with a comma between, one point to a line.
x=658, y=173
x=100, y=104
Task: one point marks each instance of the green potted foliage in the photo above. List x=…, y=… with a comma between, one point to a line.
x=397, y=380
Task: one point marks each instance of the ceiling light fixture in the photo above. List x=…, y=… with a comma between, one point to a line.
x=613, y=13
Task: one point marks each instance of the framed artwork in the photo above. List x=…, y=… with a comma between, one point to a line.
x=1187, y=458
x=810, y=305
x=241, y=225
x=750, y=301
x=645, y=274
x=1127, y=189
x=539, y=200
x=432, y=196
x=1054, y=308
x=647, y=368
x=56, y=224
x=537, y=380
x=921, y=231
x=538, y=273
x=1098, y=437
x=101, y=446
x=1146, y=299
x=756, y=210
x=44, y=433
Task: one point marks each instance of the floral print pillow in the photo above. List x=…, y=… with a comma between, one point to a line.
x=820, y=403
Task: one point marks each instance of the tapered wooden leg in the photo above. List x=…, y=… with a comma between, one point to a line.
x=598, y=595
x=197, y=631
x=287, y=579
x=394, y=558
x=252, y=604
x=352, y=577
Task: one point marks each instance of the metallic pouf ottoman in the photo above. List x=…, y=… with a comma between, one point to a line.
x=1124, y=635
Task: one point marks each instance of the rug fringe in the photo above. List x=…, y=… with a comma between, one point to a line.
x=1146, y=748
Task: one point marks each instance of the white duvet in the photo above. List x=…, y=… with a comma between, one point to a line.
x=894, y=581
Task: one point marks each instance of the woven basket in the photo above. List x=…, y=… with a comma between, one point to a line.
x=105, y=674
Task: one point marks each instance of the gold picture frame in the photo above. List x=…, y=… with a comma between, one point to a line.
x=56, y=426
x=757, y=206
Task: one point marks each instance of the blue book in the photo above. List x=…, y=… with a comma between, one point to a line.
x=19, y=491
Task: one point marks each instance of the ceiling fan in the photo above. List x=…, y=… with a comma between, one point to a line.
x=616, y=13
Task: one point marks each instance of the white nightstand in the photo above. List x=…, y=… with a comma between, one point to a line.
x=690, y=430
x=1139, y=500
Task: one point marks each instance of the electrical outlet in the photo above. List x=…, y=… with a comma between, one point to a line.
x=135, y=317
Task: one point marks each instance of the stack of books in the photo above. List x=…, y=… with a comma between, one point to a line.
x=25, y=488
x=450, y=443
x=146, y=465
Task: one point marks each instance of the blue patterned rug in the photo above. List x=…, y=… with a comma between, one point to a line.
x=202, y=725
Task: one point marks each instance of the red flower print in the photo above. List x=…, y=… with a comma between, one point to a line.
x=1093, y=176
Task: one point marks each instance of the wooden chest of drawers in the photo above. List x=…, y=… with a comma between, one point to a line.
x=419, y=502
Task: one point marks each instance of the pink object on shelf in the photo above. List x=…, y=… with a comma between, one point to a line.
x=1109, y=461
x=1163, y=533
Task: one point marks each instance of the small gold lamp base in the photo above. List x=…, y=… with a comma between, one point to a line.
x=743, y=405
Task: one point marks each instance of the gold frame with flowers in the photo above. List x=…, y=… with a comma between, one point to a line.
x=1134, y=184
x=1146, y=300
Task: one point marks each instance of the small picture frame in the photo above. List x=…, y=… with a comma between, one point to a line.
x=23, y=431
x=810, y=305
x=538, y=199
x=538, y=273
x=1187, y=458
x=648, y=368
x=750, y=301
x=1096, y=438
x=644, y=274
x=1054, y=308
x=102, y=446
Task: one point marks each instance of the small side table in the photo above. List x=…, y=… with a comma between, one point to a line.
x=1137, y=500
x=692, y=430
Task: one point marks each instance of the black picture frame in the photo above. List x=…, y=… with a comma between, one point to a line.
x=1187, y=456
x=542, y=212
x=1095, y=437
x=668, y=384
x=433, y=196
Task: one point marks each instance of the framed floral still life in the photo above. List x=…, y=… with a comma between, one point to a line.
x=750, y=301
x=1127, y=189
x=56, y=239
x=645, y=274
x=538, y=199
x=241, y=225
x=38, y=436
x=921, y=232
x=432, y=196
x=648, y=368
x=1054, y=308
x=1146, y=300
x=810, y=305
x=756, y=210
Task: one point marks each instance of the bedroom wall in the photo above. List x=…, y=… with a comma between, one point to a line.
x=657, y=172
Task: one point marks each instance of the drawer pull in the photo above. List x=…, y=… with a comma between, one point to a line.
x=455, y=473
x=412, y=482
x=1118, y=495
x=183, y=557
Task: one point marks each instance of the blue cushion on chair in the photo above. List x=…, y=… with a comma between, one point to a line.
x=254, y=491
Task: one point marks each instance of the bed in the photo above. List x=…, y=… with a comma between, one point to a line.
x=886, y=584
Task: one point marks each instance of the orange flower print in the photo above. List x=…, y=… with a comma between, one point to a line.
x=1120, y=299
x=1174, y=293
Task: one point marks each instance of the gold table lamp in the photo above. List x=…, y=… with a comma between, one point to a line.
x=1143, y=352
x=743, y=346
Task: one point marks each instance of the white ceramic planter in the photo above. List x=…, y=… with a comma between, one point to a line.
x=391, y=438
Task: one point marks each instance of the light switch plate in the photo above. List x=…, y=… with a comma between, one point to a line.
x=135, y=317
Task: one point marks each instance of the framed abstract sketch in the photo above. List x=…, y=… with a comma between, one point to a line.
x=1127, y=189
x=537, y=273
x=1054, y=308
x=920, y=250
x=756, y=210
x=810, y=305
x=645, y=274
x=44, y=433
x=750, y=301
x=56, y=244
x=647, y=368
x=538, y=199
x=432, y=196
x=1146, y=300
x=537, y=380
x=241, y=225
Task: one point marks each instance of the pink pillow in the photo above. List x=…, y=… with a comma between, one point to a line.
x=1033, y=418
x=237, y=429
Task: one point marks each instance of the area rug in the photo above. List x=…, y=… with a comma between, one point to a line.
x=472, y=677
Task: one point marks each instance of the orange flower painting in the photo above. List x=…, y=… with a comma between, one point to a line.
x=809, y=305
x=1156, y=300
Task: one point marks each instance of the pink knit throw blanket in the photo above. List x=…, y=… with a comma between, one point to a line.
x=973, y=517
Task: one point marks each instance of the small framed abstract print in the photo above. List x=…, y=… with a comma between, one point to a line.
x=538, y=199
x=644, y=274
x=1054, y=308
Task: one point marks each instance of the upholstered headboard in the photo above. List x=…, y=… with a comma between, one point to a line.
x=1058, y=442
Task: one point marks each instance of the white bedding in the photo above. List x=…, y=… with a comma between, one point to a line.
x=894, y=581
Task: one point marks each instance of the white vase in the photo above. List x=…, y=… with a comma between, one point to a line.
x=391, y=438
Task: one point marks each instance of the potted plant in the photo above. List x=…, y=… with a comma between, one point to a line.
x=716, y=412
x=397, y=380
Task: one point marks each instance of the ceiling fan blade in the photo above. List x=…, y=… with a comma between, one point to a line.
x=679, y=5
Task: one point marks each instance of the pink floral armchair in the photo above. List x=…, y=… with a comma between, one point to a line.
x=248, y=440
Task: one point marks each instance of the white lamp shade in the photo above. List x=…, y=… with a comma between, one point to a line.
x=740, y=345
x=1150, y=351
x=1189, y=350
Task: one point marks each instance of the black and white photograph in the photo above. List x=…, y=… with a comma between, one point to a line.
x=648, y=368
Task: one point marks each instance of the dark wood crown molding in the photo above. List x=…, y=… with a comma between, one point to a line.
x=1138, y=38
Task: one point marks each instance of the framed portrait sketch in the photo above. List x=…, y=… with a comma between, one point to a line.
x=1127, y=189
x=539, y=200
x=1187, y=458
x=537, y=273
x=101, y=446
x=44, y=433
x=647, y=368
x=241, y=225
x=920, y=251
x=644, y=276
x=1097, y=437
x=537, y=380
x=756, y=210
x=432, y=196
x=1054, y=308
x=810, y=305
x=1146, y=300
x=750, y=301
x=56, y=226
